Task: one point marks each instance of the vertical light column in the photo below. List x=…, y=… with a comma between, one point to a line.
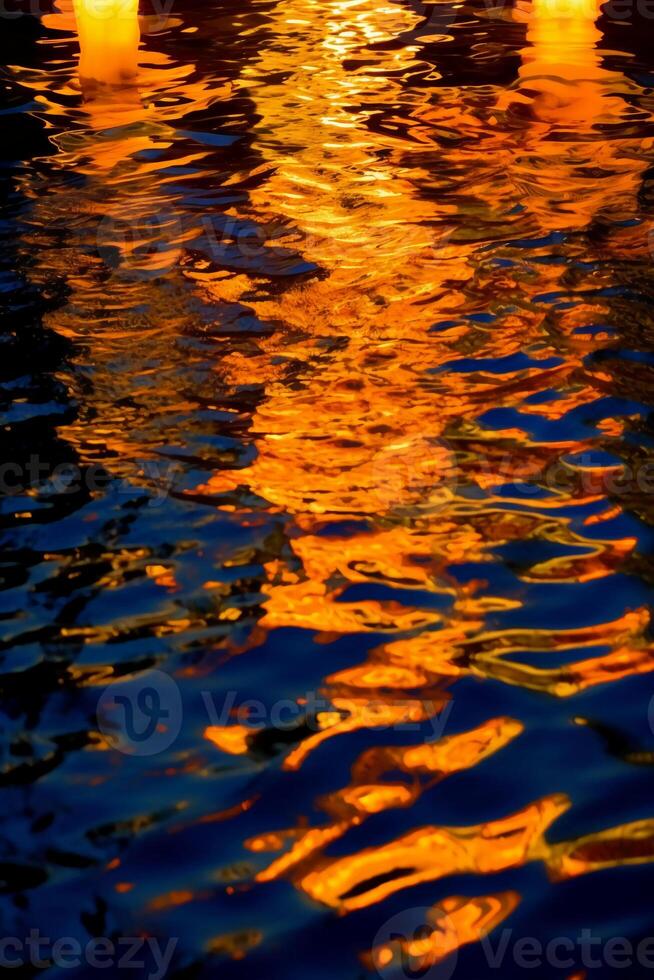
x=562, y=64
x=109, y=38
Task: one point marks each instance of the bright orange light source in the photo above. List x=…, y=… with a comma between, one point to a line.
x=109, y=37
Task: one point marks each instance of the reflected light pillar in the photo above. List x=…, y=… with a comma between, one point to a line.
x=109, y=37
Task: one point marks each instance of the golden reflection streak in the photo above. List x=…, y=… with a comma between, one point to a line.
x=354, y=714
x=448, y=755
x=567, y=681
x=631, y=843
x=362, y=879
x=451, y=653
x=364, y=797
x=232, y=739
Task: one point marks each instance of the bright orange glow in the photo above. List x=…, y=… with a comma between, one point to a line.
x=352, y=805
x=233, y=739
x=432, y=853
x=108, y=37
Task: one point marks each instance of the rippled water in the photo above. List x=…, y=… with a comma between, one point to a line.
x=328, y=360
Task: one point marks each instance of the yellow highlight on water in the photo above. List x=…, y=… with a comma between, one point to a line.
x=109, y=38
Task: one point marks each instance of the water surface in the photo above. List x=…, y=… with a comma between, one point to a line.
x=328, y=375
